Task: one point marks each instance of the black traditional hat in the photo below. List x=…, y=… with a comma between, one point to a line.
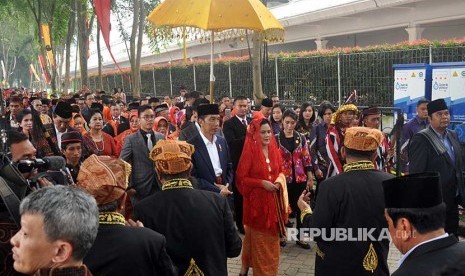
x=374, y=109
x=154, y=100
x=64, y=110
x=160, y=108
x=133, y=105
x=267, y=102
x=436, y=105
x=208, y=109
x=419, y=191
x=71, y=137
x=97, y=106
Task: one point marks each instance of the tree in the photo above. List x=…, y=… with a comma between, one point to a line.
x=138, y=9
x=135, y=49
x=55, y=14
x=16, y=45
x=69, y=39
x=256, y=68
x=83, y=33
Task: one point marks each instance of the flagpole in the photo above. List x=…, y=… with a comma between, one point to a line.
x=212, y=76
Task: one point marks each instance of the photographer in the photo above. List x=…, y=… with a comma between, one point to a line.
x=20, y=149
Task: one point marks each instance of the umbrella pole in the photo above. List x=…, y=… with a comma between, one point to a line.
x=212, y=77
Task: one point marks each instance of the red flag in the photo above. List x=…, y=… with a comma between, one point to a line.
x=102, y=11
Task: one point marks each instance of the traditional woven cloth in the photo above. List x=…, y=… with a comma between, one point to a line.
x=104, y=177
x=172, y=157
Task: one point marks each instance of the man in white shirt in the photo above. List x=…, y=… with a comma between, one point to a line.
x=416, y=216
x=211, y=159
x=61, y=118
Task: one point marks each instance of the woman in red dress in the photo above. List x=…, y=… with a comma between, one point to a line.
x=97, y=141
x=263, y=186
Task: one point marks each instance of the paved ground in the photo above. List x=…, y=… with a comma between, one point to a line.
x=295, y=261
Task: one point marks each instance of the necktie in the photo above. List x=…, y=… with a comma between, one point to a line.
x=149, y=142
x=244, y=123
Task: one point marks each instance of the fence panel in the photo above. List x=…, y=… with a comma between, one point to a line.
x=371, y=74
x=448, y=54
x=308, y=79
x=268, y=77
x=241, y=76
x=146, y=83
x=311, y=78
x=182, y=75
x=162, y=82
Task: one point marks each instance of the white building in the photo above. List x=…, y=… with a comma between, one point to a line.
x=320, y=24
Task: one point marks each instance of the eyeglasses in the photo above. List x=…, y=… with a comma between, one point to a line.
x=148, y=117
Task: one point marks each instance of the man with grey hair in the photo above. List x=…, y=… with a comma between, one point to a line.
x=58, y=227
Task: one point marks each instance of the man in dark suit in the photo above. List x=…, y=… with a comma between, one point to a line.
x=118, y=122
x=135, y=151
x=15, y=105
x=437, y=149
x=212, y=165
x=352, y=201
x=62, y=115
x=198, y=225
x=234, y=131
x=416, y=215
x=119, y=249
x=85, y=110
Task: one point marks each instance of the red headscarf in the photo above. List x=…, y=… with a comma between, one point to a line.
x=173, y=111
x=157, y=122
x=259, y=205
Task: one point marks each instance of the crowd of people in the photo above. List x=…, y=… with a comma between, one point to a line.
x=167, y=185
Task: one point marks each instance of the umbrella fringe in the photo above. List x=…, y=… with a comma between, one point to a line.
x=194, y=33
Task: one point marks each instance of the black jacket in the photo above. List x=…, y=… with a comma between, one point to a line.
x=351, y=200
x=197, y=224
x=124, y=250
x=234, y=133
x=423, y=158
x=122, y=126
x=432, y=257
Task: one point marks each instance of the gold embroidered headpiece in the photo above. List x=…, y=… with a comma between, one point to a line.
x=343, y=108
x=172, y=157
x=363, y=138
x=104, y=177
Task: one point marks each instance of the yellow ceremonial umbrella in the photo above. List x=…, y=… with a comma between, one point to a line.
x=227, y=18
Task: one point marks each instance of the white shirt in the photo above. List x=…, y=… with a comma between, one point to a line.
x=213, y=153
x=242, y=119
x=413, y=248
x=59, y=136
x=13, y=123
x=197, y=126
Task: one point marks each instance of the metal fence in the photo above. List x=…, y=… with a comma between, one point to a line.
x=295, y=79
